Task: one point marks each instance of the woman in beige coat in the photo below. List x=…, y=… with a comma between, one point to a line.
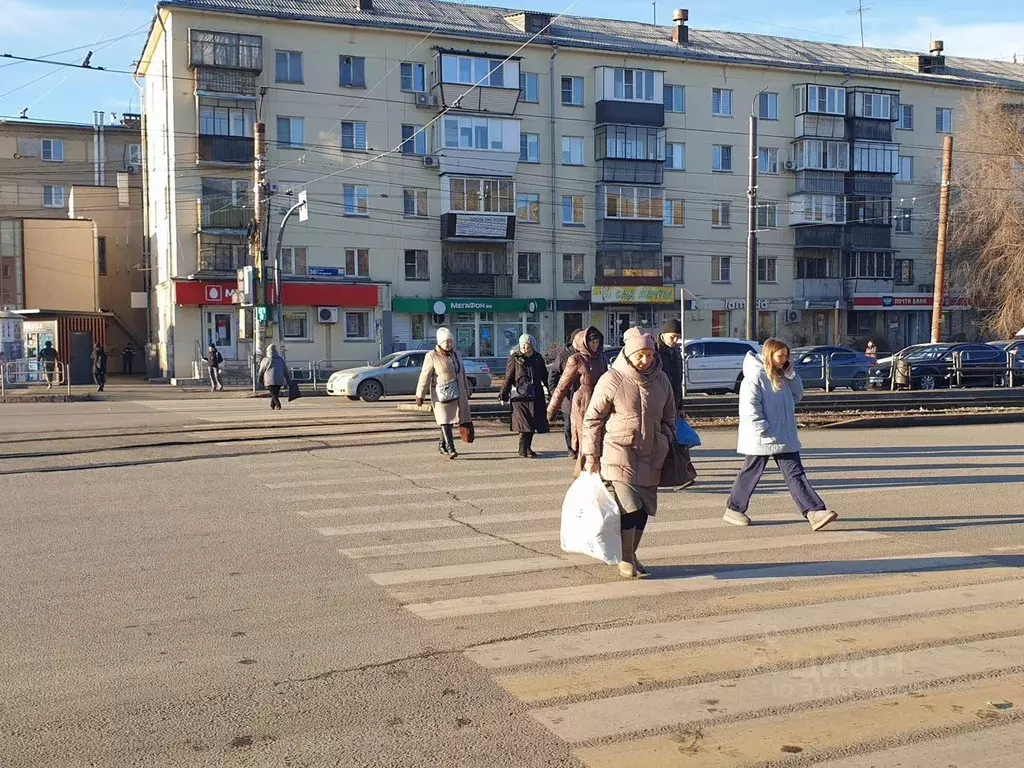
x=443, y=380
x=627, y=434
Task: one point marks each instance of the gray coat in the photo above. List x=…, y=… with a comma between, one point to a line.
x=274, y=371
x=767, y=418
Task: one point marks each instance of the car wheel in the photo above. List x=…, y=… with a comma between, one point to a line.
x=354, y=398
x=371, y=391
x=472, y=387
x=739, y=382
x=860, y=382
x=927, y=382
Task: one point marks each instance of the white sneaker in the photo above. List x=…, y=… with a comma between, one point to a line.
x=736, y=518
x=821, y=518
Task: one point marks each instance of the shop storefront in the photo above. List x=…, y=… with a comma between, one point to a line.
x=906, y=319
x=482, y=327
x=617, y=308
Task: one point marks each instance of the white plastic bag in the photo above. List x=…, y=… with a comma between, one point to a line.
x=590, y=520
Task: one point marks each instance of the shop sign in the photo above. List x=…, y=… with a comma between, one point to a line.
x=633, y=294
x=906, y=301
x=444, y=306
x=742, y=304
x=325, y=271
x=481, y=226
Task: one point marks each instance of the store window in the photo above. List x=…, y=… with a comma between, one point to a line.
x=357, y=325
x=719, y=323
x=296, y=325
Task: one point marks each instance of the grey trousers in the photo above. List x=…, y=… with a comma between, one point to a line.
x=796, y=480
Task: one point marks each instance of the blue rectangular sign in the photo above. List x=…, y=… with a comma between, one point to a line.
x=325, y=272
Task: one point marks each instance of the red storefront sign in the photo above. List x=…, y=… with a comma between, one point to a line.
x=196, y=292
x=906, y=301
x=202, y=292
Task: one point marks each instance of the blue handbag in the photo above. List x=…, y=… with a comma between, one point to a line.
x=686, y=435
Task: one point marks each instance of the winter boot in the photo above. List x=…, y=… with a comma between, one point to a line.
x=530, y=454
x=522, y=445
x=627, y=569
x=449, y=441
x=641, y=571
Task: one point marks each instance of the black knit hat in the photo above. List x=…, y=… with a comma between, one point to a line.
x=673, y=326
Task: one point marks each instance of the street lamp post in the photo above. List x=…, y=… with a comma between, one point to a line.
x=303, y=210
x=751, y=308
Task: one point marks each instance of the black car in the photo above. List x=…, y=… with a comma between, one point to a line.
x=881, y=372
x=934, y=367
x=610, y=353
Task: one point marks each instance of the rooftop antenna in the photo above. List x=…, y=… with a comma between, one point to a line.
x=860, y=10
x=654, y=5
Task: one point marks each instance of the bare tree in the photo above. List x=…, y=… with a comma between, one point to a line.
x=986, y=229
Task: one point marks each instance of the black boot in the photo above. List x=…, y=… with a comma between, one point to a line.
x=638, y=567
x=626, y=568
x=522, y=445
x=449, y=441
x=528, y=444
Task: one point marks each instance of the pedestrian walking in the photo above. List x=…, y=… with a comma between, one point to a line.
x=214, y=360
x=526, y=378
x=99, y=367
x=274, y=374
x=577, y=382
x=671, y=358
x=128, y=359
x=627, y=433
x=555, y=375
x=443, y=380
x=871, y=350
x=48, y=357
x=769, y=394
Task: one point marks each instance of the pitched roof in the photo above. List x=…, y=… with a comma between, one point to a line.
x=630, y=37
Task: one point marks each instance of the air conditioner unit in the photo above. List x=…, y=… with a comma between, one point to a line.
x=792, y=316
x=424, y=100
x=789, y=165
x=428, y=160
x=327, y=315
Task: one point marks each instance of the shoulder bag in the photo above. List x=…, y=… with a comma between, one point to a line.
x=448, y=392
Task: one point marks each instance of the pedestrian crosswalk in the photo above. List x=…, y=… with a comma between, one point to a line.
x=748, y=646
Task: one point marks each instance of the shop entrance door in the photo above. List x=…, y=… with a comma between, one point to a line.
x=222, y=332
x=619, y=321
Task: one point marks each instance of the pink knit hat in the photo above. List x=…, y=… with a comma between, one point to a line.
x=636, y=339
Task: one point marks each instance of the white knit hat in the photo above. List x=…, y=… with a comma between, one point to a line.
x=444, y=335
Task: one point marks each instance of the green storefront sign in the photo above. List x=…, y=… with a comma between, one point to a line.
x=444, y=306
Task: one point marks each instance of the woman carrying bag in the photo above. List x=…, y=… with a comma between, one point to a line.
x=526, y=377
x=274, y=374
x=577, y=382
x=628, y=433
x=443, y=380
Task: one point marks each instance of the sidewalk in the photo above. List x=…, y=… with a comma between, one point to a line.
x=122, y=388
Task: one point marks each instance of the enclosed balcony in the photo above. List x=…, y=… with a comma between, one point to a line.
x=810, y=126
x=869, y=185
x=477, y=227
x=820, y=182
x=636, y=265
x=476, y=82
x=225, y=206
x=820, y=236
x=818, y=291
x=227, y=149
x=868, y=237
x=870, y=130
x=476, y=272
x=630, y=231
x=630, y=113
x=629, y=96
x=222, y=256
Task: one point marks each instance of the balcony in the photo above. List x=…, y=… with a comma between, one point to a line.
x=630, y=266
x=478, y=227
x=484, y=286
x=868, y=237
x=869, y=185
x=226, y=149
x=222, y=214
x=864, y=286
x=810, y=126
x=644, y=172
x=222, y=256
x=484, y=271
x=631, y=112
x=820, y=182
x=819, y=236
x=216, y=81
x=869, y=129
x=818, y=291
x=632, y=231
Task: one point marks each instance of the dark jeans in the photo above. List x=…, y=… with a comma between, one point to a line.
x=100, y=377
x=275, y=395
x=129, y=361
x=215, y=378
x=796, y=480
x=568, y=428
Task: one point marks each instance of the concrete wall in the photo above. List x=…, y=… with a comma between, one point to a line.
x=60, y=265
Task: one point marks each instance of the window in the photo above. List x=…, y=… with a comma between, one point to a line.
x=357, y=325
x=294, y=260
x=629, y=142
x=633, y=203
x=528, y=208
x=472, y=195
x=572, y=210
x=675, y=156
x=135, y=154
x=869, y=265
x=53, y=150
x=357, y=200
x=288, y=66
x=414, y=202
x=905, y=272
x=768, y=160
x=473, y=70
x=904, y=219
x=768, y=270
x=906, y=121
x=871, y=210
x=296, y=324
x=943, y=120
x=414, y=77
x=673, y=269
x=225, y=117
x=815, y=267
x=720, y=214
x=53, y=197
x=675, y=213
x=290, y=132
x=414, y=140
x=874, y=105
x=721, y=158
x=675, y=98
x=572, y=150
x=634, y=85
x=572, y=91
x=529, y=87
x=818, y=155
x=224, y=49
x=768, y=106
x=417, y=265
x=821, y=99
x=352, y=71
x=529, y=267
x=572, y=268
x=721, y=269
x=875, y=157
x=353, y=136
x=906, y=172
x=721, y=102
x=767, y=216
x=529, y=148
x=805, y=209
x=101, y=255
x=357, y=262
x=477, y=133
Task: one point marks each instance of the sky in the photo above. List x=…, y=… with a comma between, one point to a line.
x=115, y=30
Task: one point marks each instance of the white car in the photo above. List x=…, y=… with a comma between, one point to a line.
x=716, y=365
x=396, y=374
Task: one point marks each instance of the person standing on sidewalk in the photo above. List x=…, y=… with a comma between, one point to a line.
x=557, y=369
x=128, y=359
x=443, y=380
x=577, y=382
x=526, y=378
x=871, y=350
x=628, y=431
x=214, y=359
x=671, y=358
x=99, y=367
x=769, y=394
x=274, y=374
x=48, y=357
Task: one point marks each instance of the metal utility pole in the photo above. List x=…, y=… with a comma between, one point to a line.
x=303, y=211
x=940, y=243
x=751, y=306
x=256, y=236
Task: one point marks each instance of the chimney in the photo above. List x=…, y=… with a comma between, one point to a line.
x=364, y=5
x=936, y=48
x=681, y=33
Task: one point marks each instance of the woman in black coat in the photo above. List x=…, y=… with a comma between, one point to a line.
x=526, y=378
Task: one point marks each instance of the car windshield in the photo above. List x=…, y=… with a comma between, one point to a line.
x=385, y=362
x=928, y=353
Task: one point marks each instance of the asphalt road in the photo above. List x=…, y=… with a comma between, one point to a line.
x=203, y=583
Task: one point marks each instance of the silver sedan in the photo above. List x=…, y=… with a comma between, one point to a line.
x=396, y=374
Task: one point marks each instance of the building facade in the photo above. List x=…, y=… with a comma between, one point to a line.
x=507, y=172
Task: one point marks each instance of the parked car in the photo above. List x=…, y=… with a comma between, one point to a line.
x=396, y=374
x=846, y=367
x=1013, y=347
x=881, y=372
x=716, y=365
x=933, y=367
